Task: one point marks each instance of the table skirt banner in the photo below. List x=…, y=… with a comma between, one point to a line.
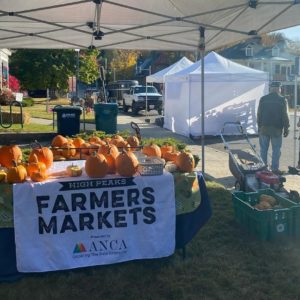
x=70, y=223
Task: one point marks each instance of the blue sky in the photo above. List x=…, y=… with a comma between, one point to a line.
x=292, y=33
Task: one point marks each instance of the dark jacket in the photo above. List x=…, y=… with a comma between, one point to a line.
x=272, y=114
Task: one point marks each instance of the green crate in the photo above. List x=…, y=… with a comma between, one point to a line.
x=269, y=224
x=296, y=219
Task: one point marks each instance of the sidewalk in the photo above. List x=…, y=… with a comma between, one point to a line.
x=216, y=162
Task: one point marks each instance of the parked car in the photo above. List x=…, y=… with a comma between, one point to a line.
x=142, y=97
x=116, y=89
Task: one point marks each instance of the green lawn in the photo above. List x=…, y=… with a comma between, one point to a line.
x=222, y=262
x=39, y=110
x=28, y=128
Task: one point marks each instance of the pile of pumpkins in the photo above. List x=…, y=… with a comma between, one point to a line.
x=102, y=156
x=14, y=170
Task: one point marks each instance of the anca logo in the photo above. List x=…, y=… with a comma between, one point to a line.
x=79, y=248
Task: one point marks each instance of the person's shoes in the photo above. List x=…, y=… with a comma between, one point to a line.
x=278, y=172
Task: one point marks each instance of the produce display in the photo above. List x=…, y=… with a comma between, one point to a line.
x=266, y=202
x=116, y=154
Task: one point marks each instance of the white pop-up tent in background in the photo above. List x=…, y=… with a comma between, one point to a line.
x=159, y=77
x=232, y=93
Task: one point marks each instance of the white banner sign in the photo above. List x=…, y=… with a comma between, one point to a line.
x=67, y=223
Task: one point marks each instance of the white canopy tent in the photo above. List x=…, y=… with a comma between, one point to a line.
x=232, y=94
x=159, y=77
x=135, y=24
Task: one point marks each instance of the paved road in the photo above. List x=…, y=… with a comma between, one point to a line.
x=287, y=155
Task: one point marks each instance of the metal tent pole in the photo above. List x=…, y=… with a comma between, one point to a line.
x=295, y=120
x=202, y=54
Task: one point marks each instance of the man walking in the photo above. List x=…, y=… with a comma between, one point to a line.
x=272, y=121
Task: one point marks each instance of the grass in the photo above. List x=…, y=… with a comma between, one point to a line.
x=38, y=110
x=28, y=128
x=222, y=262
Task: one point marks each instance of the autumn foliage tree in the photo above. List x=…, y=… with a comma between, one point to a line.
x=14, y=83
x=123, y=61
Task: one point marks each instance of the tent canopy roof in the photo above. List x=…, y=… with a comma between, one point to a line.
x=159, y=77
x=216, y=64
x=136, y=24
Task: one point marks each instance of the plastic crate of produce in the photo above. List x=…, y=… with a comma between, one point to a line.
x=296, y=218
x=266, y=224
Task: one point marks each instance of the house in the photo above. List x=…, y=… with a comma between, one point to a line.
x=4, y=70
x=278, y=59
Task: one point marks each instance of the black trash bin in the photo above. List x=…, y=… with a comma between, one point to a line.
x=106, y=117
x=68, y=120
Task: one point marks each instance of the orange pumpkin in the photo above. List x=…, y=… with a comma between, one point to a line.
x=171, y=156
x=43, y=154
x=166, y=148
x=68, y=150
x=152, y=150
x=58, y=158
x=107, y=139
x=116, y=139
x=126, y=164
x=96, y=165
x=38, y=176
x=133, y=141
x=35, y=165
x=56, y=151
x=58, y=141
x=122, y=145
x=78, y=141
x=94, y=139
x=111, y=162
x=185, y=162
x=85, y=148
x=94, y=148
x=16, y=174
x=8, y=154
x=112, y=149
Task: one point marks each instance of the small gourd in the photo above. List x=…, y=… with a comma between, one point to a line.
x=3, y=174
x=74, y=170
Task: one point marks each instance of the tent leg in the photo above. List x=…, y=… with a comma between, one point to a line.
x=202, y=54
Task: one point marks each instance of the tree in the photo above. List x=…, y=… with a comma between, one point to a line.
x=123, y=61
x=270, y=39
x=88, y=66
x=42, y=69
